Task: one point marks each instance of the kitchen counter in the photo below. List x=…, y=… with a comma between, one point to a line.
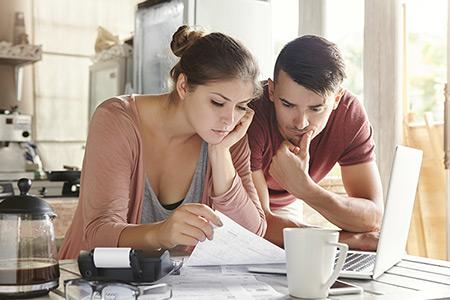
x=412, y=278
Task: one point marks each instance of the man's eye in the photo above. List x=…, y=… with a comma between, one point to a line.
x=243, y=108
x=216, y=103
x=317, y=109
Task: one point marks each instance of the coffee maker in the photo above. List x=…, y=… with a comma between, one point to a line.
x=28, y=259
x=15, y=129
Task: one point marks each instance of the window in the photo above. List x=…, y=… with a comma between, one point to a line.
x=284, y=24
x=425, y=58
x=426, y=52
x=67, y=30
x=345, y=27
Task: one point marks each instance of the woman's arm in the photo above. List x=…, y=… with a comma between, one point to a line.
x=109, y=163
x=233, y=191
x=223, y=170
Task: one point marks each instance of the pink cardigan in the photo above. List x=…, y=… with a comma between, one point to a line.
x=112, y=182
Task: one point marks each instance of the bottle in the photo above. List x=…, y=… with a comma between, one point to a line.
x=19, y=35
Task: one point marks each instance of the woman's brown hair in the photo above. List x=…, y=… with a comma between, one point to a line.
x=212, y=57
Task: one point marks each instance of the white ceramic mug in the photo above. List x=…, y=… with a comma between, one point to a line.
x=310, y=255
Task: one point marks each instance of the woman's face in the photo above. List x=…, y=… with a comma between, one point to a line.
x=215, y=108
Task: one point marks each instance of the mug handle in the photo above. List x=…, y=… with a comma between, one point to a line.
x=342, y=256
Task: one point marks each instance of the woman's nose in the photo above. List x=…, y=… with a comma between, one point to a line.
x=227, y=117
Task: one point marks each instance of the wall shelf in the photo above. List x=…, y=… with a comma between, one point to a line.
x=19, y=56
x=17, y=61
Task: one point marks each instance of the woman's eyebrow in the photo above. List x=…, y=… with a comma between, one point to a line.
x=228, y=99
x=219, y=94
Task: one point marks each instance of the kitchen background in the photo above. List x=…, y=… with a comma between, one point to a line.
x=56, y=90
x=395, y=51
x=60, y=59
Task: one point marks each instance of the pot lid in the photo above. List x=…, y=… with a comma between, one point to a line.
x=25, y=203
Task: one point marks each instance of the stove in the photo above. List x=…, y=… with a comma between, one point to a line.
x=41, y=188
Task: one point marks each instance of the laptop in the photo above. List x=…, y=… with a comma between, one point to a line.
x=395, y=227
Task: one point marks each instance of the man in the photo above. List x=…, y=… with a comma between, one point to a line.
x=304, y=124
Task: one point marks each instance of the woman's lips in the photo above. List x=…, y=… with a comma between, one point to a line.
x=220, y=132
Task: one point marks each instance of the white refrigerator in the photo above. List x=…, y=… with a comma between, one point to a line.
x=249, y=21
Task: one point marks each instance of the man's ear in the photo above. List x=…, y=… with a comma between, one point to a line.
x=271, y=86
x=338, y=97
x=182, y=86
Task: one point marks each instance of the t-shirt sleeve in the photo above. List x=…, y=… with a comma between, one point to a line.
x=358, y=136
x=257, y=140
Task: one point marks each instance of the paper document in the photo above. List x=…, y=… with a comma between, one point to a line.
x=234, y=245
x=219, y=283
x=221, y=288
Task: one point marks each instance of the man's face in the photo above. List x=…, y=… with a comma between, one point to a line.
x=299, y=110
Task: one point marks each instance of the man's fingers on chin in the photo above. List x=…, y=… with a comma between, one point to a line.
x=286, y=144
x=309, y=137
x=290, y=143
x=297, y=150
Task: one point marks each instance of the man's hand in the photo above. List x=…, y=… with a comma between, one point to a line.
x=289, y=166
x=275, y=226
x=364, y=241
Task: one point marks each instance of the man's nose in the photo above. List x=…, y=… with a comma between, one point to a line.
x=300, y=122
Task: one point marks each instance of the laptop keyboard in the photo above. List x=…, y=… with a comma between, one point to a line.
x=357, y=262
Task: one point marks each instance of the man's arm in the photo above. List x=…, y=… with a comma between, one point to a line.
x=363, y=241
x=275, y=224
x=361, y=210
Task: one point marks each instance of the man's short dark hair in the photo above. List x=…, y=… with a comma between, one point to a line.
x=314, y=63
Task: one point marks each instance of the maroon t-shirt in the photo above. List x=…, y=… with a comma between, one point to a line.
x=346, y=139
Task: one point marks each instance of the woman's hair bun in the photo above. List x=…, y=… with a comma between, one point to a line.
x=184, y=38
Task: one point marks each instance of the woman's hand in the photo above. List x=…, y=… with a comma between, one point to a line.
x=223, y=170
x=187, y=225
x=238, y=132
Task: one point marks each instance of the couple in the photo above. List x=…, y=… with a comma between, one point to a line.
x=157, y=166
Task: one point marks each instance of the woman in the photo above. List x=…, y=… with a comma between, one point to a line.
x=156, y=166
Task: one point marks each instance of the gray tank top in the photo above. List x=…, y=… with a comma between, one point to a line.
x=153, y=211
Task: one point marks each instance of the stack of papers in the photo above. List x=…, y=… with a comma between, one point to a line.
x=210, y=283
x=234, y=245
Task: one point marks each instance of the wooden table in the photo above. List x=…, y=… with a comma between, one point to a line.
x=412, y=278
